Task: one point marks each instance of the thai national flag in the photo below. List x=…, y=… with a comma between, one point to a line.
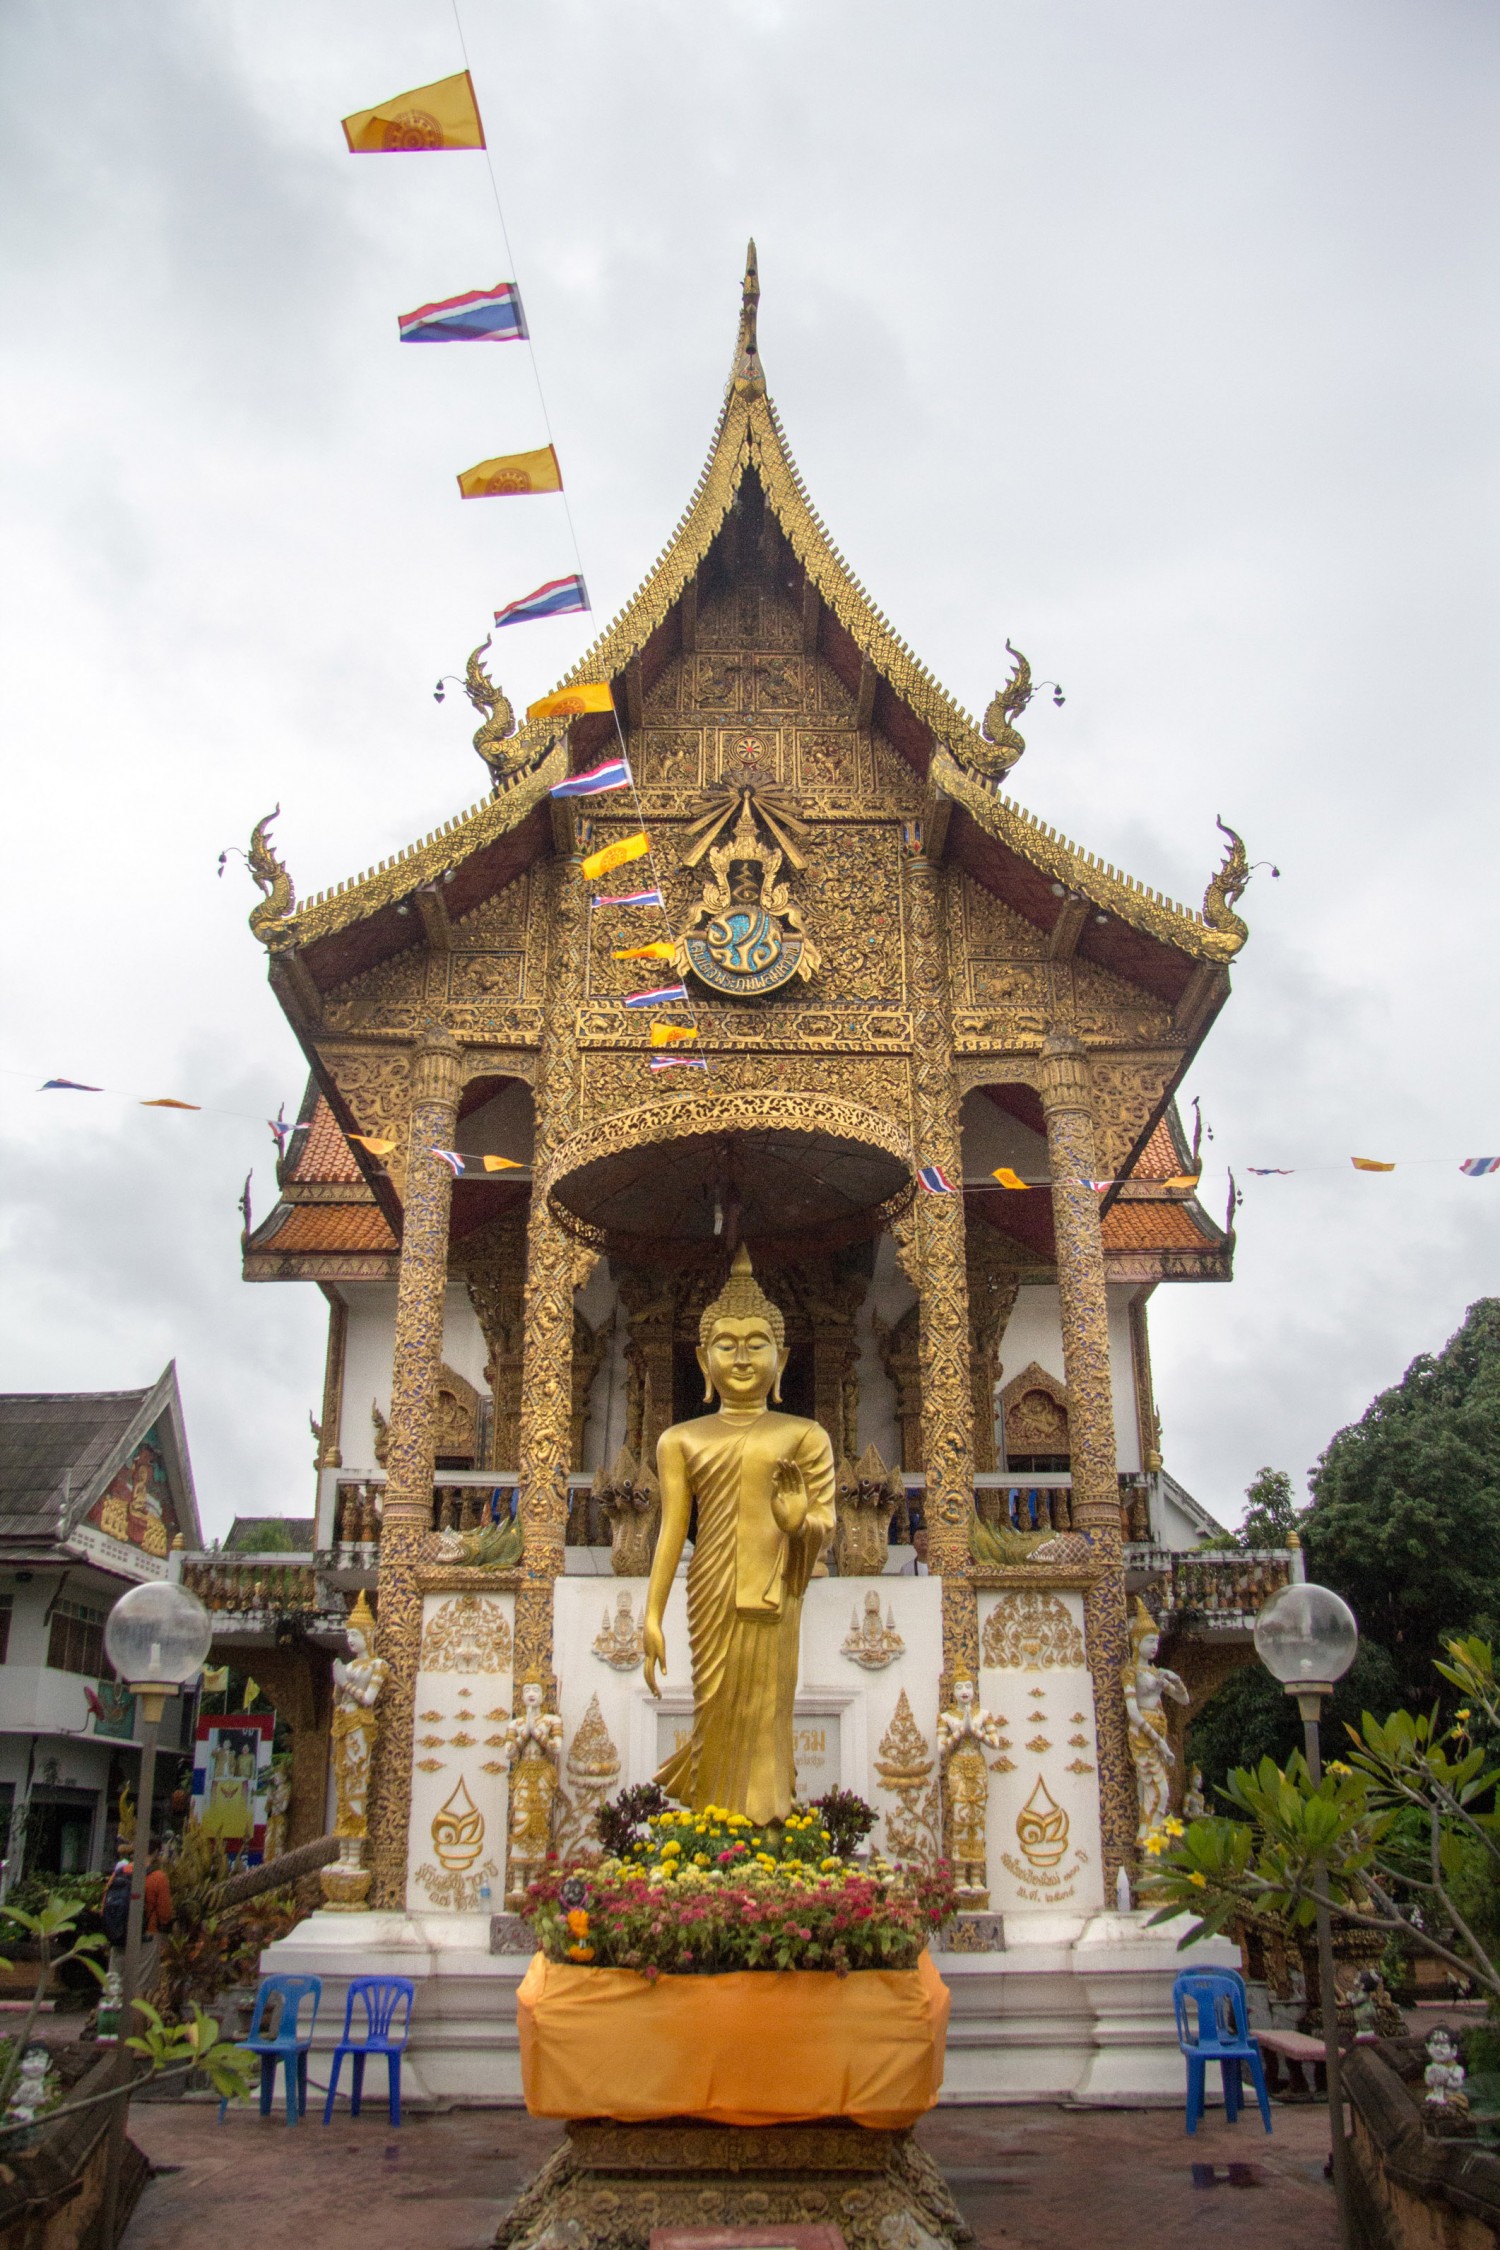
x=678, y=1062
x=479, y=316
x=615, y=775
x=668, y=992
x=633, y=898
x=1477, y=1166
x=555, y=599
x=452, y=1159
x=936, y=1180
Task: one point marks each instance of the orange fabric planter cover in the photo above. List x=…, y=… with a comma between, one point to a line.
x=754, y=2047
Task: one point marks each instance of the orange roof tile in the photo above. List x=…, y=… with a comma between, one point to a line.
x=1159, y=1158
x=326, y=1155
x=1154, y=1226
x=331, y=1226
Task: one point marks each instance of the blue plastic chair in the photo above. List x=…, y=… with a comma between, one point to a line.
x=287, y=2044
x=382, y=1998
x=1217, y=2030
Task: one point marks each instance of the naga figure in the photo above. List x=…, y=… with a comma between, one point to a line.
x=499, y=727
x=1007, y=703
x=271, y=878
x=1227, y=930
x=763, y=1483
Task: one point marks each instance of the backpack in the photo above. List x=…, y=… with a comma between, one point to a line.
x=114, y=1907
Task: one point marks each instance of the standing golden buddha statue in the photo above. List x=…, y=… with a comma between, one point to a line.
x=763, y=1484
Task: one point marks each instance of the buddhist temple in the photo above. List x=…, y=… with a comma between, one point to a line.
x=919, y=1056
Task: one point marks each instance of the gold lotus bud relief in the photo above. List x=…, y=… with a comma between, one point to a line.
x=458, y=1831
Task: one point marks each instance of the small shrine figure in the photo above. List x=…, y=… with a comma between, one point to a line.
x=357, y=1688
x=1445, y=2074
x=32, y=2089
x=870, y=1644
x=1194, y=1803
x=964, y=1733
x=1146, y=1685
x=533, y=1751
x=619, y=1642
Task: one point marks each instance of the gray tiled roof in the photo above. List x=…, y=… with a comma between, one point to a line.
x=53, y=1444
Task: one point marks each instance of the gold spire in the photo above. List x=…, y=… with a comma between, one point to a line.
x=748, y=378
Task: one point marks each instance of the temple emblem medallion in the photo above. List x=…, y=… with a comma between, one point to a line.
x=746, y=937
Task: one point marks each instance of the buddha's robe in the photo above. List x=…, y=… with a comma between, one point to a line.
x=745, y=1584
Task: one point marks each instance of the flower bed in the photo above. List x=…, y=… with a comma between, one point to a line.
x=705, y=1894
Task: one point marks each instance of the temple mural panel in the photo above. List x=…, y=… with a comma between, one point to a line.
x=136, y=1506
x=459, y=1791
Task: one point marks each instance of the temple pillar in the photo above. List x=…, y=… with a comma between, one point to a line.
x=546, y=1440
x=410, y=1448
x=943, y=1308
x=994, y=1285
x=651, y=1311
x=493, y=1263
x=1067, y=1106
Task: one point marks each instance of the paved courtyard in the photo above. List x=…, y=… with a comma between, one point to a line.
x=1030, y=2179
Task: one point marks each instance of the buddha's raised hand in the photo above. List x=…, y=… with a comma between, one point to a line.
x=789, y=1496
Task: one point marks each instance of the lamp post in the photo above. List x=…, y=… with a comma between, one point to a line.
x=1308, y=1638
x=157, y=1637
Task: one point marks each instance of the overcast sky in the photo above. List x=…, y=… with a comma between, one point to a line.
x=1160, y=338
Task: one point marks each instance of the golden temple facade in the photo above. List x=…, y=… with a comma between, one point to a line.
x=921, y=975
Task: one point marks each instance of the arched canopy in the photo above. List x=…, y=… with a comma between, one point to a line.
x=788, y=1174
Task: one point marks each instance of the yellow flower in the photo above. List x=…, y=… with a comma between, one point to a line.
x=578, y=1922
x=1464, y=1714
x=828, y=1867
x=1200, y=1882
x=1156, y=1844
x=670, y=1851
x=1173, y=1826
x=700, y=1859
x=1337, y=1765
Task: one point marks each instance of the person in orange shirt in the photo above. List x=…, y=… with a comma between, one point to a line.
x=157, y=1909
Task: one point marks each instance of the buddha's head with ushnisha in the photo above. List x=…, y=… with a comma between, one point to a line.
x=742, y=1341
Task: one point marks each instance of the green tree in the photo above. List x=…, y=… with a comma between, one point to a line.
x=1252, y=1717
x=1272, y=1515
x=1405, y=1518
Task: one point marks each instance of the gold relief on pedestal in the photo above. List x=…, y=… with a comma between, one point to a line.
x=591, y=1771
x=1031, y=1631
x=468, y=1634
x=906, y=1768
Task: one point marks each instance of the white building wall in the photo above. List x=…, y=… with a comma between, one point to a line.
x=1034, y=1335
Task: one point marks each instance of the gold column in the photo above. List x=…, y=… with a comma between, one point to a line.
x=547, y=1350
x=1067, y=1104
x=943, y=1311
x=330, y=1428
x=407, y=1518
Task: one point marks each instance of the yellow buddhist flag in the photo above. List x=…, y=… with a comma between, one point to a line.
x=1370, y=1164
x=1010, y=1179
x=442, y=115
x=216, y=1679
x=660, y=951
x=501, y=1164
x=671, y=1034
x=1183, y=1180
x=615, y=855
x=165, y=1101
x=570, y=702
x=375, y=1147
x=252, y=1690
x=511, y=474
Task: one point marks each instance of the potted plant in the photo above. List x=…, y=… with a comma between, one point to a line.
x=708, y=1968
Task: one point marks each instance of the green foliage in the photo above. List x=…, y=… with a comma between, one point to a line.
x=1252, y=1717
x=1407, y=1817
x=1272, y=1515
x=196, y=2045
x=847, y=1818
x=1405, y=1521
x=268, y=1538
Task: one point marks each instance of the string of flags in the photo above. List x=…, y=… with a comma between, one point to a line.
x=445, y=115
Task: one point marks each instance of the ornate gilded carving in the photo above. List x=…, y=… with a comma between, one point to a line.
x=1034, y=1410
x=747, y=937
x=411, y=1449
x=468, y=1635
x=375, y=1083
x=591, y=1770
x=994, y=1284
x=630, y=1502
x=618, y=1642
x=532, y=1749
x=868, y=1643
x=905, y=1765
x=1066, y=1103
x=588, y=1356
x=897, y=1346
x=866, y=1498
x=1031, y=1631
x=492, y=1261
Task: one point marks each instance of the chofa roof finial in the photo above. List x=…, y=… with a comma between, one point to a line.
x=748, y=374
